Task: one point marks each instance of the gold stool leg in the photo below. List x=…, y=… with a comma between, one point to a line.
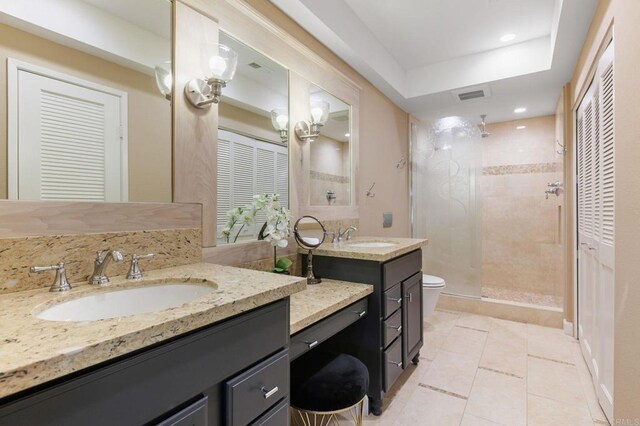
x=300, y=417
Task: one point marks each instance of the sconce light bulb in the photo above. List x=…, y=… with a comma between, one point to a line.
x=218, y=65
x=316, y=114
x=282, y=121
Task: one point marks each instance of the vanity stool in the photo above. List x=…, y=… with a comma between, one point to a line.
x=339, y=386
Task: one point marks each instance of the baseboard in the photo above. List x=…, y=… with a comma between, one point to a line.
x=568, y=327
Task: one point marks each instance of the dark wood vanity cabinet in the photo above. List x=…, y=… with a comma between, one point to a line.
x=233, y=373
x=390, y=336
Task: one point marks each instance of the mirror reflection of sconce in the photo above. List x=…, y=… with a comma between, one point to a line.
x=164, y=78
x=222, y=67
x=309, y=131
x=280, y=122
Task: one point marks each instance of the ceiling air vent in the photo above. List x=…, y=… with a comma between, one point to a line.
x=255, y=65
x=469, y=93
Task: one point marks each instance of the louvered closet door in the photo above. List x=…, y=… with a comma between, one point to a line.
x=595, y=140
x=69, y=144
x=605, y=291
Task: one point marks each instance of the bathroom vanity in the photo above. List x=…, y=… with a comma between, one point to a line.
x=391, y=335
x=221, y=359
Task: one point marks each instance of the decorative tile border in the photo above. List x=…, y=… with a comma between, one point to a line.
x=327, y=177
x=500, y=372
x=512, y=169
x=433, y=388
x=551, y=359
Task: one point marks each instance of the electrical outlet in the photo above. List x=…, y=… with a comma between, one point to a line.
x=387, y=220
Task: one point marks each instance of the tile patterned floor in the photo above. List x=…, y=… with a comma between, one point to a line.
x=478, y=370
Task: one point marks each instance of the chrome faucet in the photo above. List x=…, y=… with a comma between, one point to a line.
x=337, y=236
x=60, y=282
x=103, y=259
x=555, y=188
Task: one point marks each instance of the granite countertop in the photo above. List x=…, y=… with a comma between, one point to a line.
x=346, y=249
x=319, y=301
x=35, y=351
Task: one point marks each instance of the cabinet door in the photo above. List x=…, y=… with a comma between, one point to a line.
x=412, y=317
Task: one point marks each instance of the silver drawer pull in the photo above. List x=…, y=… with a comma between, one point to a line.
x=410, y=297
x=398, y=301
x=360, y=314
x=269, y=393
x=398, y=328
x=312, y=344
x=397, y=364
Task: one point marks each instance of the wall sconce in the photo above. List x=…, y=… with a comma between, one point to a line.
x=222, y=67
x=280, y=122
x=319, y=116
x=164, y=78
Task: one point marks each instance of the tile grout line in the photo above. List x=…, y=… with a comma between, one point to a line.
x=471, y=328
x=501, y=372
x=551, y=359
x=446, y=392
x=475, y=376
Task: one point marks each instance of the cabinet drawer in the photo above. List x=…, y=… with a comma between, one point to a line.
x=401, y=268
x=193, y=415
x=312, y=336
x=392, y=327
x=392, y=363
x=253, y=392
x=392, y=300
x=277, y=416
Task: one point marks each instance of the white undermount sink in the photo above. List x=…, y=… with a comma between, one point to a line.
x=372, y=244
x=125, y=302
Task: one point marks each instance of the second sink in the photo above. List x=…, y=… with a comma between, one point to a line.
x=125, y=302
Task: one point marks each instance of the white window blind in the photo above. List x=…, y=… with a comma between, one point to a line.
x=247, y=167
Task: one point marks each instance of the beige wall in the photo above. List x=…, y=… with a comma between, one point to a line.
x=522, y=238
x=624, y=15
x=329, y=170
x=383, y=139
x=149, y=113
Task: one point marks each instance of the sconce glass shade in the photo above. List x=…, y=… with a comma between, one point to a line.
x=164, y=78
x=222, y=63
x=319, y=112
x=279, y=119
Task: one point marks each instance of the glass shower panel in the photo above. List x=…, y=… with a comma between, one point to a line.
x=446, y=201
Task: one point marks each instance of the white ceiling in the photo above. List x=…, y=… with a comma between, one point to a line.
x=423, y=32
x=151, y=15
x=418, y=51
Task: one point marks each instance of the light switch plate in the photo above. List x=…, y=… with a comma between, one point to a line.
x=387, y=220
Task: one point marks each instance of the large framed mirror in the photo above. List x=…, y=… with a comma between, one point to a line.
x=330, y=151
x=87, y=87
x=253, y=143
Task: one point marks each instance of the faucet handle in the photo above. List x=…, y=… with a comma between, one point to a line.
x=60, y=282
x=134, y=270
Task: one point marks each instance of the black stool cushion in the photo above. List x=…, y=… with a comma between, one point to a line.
x=339, y=384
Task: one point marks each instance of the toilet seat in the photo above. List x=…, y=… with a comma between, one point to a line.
x=431, y=281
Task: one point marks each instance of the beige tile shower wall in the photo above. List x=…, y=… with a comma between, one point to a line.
x=523, y=245
x=171, y=247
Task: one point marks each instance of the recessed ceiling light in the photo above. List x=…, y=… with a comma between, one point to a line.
x=507, y=37
x=521, y=127
x=346, y=135
x=519, y=110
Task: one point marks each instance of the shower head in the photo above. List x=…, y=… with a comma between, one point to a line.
x=483, y=126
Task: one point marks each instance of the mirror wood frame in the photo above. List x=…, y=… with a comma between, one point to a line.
x=195, y=161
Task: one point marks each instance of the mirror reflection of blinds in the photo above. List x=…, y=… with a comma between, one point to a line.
x=72, y=152
x=246, y=167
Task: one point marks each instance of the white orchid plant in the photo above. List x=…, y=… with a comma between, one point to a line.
x=275, y=230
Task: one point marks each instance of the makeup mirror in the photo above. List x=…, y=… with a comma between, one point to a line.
x=309, y=233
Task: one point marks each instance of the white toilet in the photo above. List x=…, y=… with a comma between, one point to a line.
x=431, y=288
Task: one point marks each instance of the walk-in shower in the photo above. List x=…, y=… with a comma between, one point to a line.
x=482, y=201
